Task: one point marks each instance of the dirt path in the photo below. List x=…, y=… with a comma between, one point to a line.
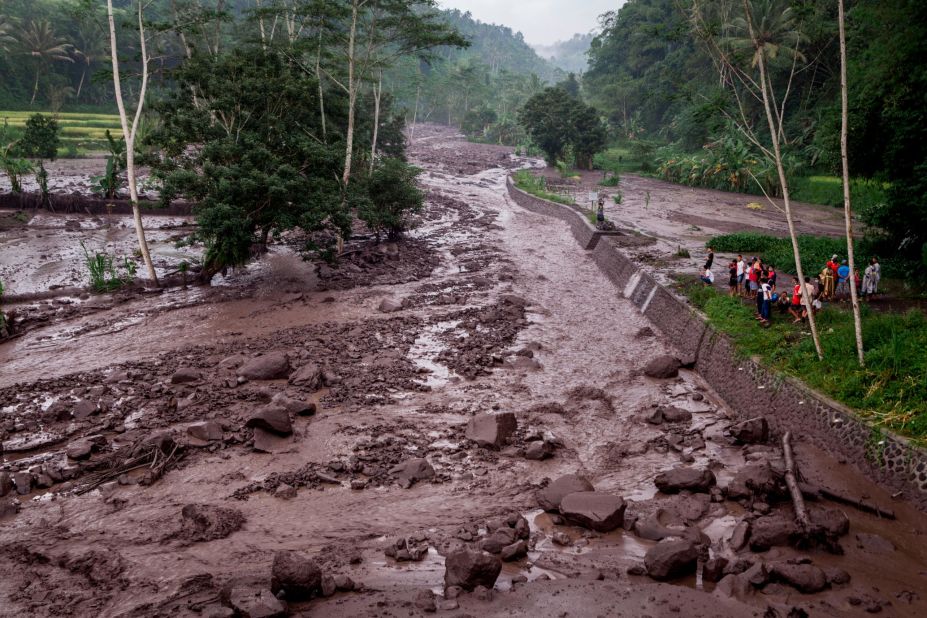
x=495, y=310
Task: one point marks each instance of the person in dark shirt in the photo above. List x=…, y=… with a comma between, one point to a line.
x=711, y=259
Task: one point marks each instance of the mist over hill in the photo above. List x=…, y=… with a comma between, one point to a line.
x=569, y=55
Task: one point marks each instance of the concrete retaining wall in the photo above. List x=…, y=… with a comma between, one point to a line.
x=83, y=204
x=747, y=387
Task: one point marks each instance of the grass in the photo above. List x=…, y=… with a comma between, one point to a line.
x=890, y=392
x=537, y=186
x=80, y=133
x=620, y=158
x=828, y=190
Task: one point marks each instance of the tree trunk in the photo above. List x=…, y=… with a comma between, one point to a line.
x=774, y=135
x=35, y=88
x=418, y=92
x=352, y=99
x=81, y=83
x=130, y=134
x=318, y=78
x=377, y=91
x=847, y=210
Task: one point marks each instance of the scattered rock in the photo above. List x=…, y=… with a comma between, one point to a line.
x=328, y=587
x=270, y=366
x=805, y=578
x=672, y=414
x=663, y=367
x=23, y=482
x=390, y=305
x=425, y=601
x=309, y=376
x=598, y=511
x=498, y=540
x=84, y=409
x=671, y=558
x=751, y=431
x=412, y=470
x=285, y=492
x=772, y=531
x=491, y=430
x=713, y=570
x=269, y=442
x=271, y=418
x=205, y=522
x=515, y=551
x=538, y=450
x=550, y=497
x=8, y=508
x=297, y=575
x=685, y=478
x=740, y=535
x=757, y=480
x=407, y=549
x=185, y=375
x=251, y=602
x=834, y=522
x=343, y=583
x=207, y=431
x=468, y=569
x=294, y=406
x=6, y=483
x=80, y=450
x=836, y=576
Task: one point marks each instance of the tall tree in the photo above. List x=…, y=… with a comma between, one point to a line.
x=41, y=46
x=845, y=165
x=130, y=132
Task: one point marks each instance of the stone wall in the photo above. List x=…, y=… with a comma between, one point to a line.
x=87, y=204
x=747, y=387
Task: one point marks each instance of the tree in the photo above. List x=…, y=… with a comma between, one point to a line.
x=392, y=198
x=249, y=154
x=7, y=38
x=39, y=43
x=92, y=47
x=41, y=137
x=129, y=133
x=589, y=134
x=547, y=117
x=844, y=158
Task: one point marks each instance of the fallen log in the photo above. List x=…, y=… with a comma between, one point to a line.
x=798, y=501
x=813, y=492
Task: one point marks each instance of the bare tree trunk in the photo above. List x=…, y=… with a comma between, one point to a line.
x=257, y=3
x=81, y=83
x=352, y=98
x=130, y=133
x=377, y=91
x=35, y=88
x=847, y=210
x=783, y=181
x=318, y=78
x=418, y=92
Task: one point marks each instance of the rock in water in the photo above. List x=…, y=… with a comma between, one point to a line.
x=294, y=406
x=185, y=375
x=663, y=367
x=308, y=376
x=549, y=498
x=251, y=602
x=298, y=576
x=469, y=568
x=671, y=558
x=207, y=431
x=597, y=511
x=389, y=305
x=412, y=470
x=684, y=478
x=805, y=578
x=205, y=522
x=491, y=430
x=772, y=531
x=270, y=366
x=272, y=418
x=751, y=431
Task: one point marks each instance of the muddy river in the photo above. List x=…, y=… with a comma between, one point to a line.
x=149, y=472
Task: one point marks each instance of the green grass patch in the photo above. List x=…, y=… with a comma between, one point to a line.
x=890, y=392
x=620, y=158
x=537, y=186
x=80, y=133
x=828, y=190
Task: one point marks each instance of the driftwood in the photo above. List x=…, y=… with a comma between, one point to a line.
x=153, y=458
x=798, y=501
x=813, y=492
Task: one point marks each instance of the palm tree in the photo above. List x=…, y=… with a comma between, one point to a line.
x=92, y=47
x=38, y=41
x=7, y=40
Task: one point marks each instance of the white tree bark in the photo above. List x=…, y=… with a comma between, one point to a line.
x=352, y=96
x=845, y=160
x=130, y=133
x=377, y=92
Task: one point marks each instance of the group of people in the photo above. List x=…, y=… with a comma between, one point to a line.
x=758, y=281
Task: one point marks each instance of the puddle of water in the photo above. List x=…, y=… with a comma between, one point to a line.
x=425, y=350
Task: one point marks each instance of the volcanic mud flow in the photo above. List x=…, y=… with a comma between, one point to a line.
x=388, y=437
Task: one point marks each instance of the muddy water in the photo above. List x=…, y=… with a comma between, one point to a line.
x=586, y=351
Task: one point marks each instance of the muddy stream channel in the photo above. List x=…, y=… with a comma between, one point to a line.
x=163, y=451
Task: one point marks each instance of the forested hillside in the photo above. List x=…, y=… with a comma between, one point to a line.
x=569, y=55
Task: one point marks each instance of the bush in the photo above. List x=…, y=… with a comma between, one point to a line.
x=392, y=197
x=40, y=139
x=537, y=186
x=108, y=273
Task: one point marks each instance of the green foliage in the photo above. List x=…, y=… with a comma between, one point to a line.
x=618, y=197
x=537, y=186
x=107, y=272
x=558, y=122
x=682, y=253
x=611, y=180
x=392, y=197
x=109, y=182
x=865, y=194
x=11, y=162
x=889, y=392
x=41, y=138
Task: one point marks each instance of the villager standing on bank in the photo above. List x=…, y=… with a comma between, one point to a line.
x=871, y=278
x=843, y=279
x=733, y=283
x=827, y=282
x=741, y=273
x=711, y=259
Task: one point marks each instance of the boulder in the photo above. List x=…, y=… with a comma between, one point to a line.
x=309, y=376
x=538, y=450
x=285, y=492
x=772, y=531
x=84, y=409
x=757, y=480
x=685, y=478
x=294, y=406
x=412, y=470
x=79, y=450
x=253, y=602
x=6, y=483
x=469, y=568
x=751, y=431
x=834, y=522
x=672, y=414
x=23, y=482
x=515, y=551
x=207, y=431
x=498, y=540
x=491, y=430
x=663, y=367
x=425, y=601
x=671, y=558
x=270, y=366
x=550, y=497
x=740, y=535
x=185, y=375
x=272, y=418
x=805, y=578
x=390, y=305
x=297, y=575
x=598, y=511
x=205, y=522
x=8, y=508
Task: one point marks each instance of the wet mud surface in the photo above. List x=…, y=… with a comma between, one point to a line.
x=161, y=450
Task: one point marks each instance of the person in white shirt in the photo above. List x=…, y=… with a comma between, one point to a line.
x=741, y=271
x=708, y=278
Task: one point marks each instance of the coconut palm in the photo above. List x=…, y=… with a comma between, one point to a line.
x=775, y=33
x=90, y=48
x=38, y=41
x=7, y=40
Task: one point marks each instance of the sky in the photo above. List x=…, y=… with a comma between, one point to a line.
x=541, y=21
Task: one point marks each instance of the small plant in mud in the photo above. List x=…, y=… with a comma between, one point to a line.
x=108, y=273
x=11, y=162
x=682, y=253
x=108, y=184
x=611, y=179
x=618, y=197
x=183, y=268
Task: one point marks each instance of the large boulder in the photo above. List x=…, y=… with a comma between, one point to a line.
x=294, y=406
x=758, y=480
x=469, y=568
x=663, y=367
x=833, y=521
x=597, y=511
x=270, y=366
x=751, y=431
x=297, y=575
x=498, y=540
x=671, y=558
x=207, y=431
x=271, y=418
x=491, y=430
x=550, y=497
x=805, y=578
x=185, y=375
x=685, y=478
x=390, y=305
x=308, y=376
x=412, y=470
x=772, y=531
